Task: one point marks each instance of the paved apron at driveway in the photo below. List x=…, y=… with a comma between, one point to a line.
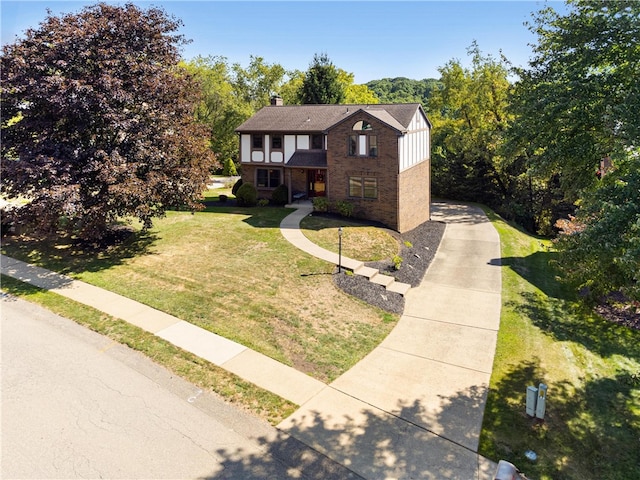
x=413, y=407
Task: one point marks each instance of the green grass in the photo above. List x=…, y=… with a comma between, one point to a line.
x=591, y=366
x=360, y=242
x=198, y=371
x=230, y=271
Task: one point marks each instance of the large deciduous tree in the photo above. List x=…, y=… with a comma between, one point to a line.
x=256, y=84
x=98, y=121
x=469, y=117
x=577, y=104
x=221, y=109
x=601, y=246
x=579, y=99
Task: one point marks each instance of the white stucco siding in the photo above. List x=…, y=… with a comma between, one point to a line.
x=289, y=146
x=413, y=146
x=276, y=157
x=267, y=146
x=257, y=156
x=303, y=142
x=245, y=148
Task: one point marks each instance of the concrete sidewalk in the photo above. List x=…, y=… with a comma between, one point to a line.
x=265, y=372
x=413, y=407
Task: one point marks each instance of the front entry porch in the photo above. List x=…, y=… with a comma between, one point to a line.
x=306, y=175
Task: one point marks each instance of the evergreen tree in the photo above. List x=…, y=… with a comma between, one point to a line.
x=322, y=84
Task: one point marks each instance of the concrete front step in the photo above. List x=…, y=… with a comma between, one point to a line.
x=380, y=279
x=399, y=287
x=384, y=280
x=365, y=271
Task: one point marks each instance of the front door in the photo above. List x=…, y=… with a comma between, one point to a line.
x=317, y=183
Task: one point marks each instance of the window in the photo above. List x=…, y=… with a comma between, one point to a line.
x=317, y=141
x=373, y=146
x=370, y=187
x=363, y=187
x=362, y=145
x=276, y=142
x=362, y=125
x=257, y=141
x=267, y=178
x=353, y=145
x=355, y=186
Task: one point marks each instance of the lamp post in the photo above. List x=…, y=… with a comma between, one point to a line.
x=339, y=249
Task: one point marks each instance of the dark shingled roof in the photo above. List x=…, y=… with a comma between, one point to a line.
x=308, y=159
x=319, y=118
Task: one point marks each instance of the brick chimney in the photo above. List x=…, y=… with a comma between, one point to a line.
x=276, y=101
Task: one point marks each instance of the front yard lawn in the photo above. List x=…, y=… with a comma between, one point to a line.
x=230, y=271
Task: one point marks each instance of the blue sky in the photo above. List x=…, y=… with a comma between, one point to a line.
x=371, y=39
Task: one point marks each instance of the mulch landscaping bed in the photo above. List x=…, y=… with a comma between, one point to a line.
x=619, y=309
x=419, y=246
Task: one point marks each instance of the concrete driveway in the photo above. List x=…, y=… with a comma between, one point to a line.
x=413, y=407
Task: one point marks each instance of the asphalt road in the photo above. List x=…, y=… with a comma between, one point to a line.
x=77, y=405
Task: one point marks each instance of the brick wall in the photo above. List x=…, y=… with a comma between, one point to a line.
x=298, y=179
x=415, y=201
x=384, y=167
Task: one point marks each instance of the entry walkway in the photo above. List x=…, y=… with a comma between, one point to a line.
x=413, y=407
x=290, y=228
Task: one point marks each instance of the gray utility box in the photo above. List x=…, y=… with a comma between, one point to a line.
x=537, y=401
x=532, y=400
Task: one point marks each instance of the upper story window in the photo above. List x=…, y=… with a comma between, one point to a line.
x=362, y=146
x=317, y=141
x=362, y=125
x=276, y=142
x=256, y=141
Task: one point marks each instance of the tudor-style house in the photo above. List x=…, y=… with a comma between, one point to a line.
x=376, y=157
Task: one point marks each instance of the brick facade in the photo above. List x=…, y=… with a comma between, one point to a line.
x=384, y=168
x=414, y=207
x=397, y=199
x=403, y=198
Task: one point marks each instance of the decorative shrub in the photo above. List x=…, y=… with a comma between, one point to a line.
x=236, y=186
x=280, y=196
x=247, y=195
x=263, y=202
x=320, y=204
x=408, y=244
x=229, y=168
x=397, y=262
x=344, y=208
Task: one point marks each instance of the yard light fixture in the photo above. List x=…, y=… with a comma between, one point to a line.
x=339, y=249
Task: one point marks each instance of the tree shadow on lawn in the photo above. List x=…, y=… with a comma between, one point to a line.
x=537, y=269
x=366, y=443
x=588, y=432
x=568, y=322
x=68, y=256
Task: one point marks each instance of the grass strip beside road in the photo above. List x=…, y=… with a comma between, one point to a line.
x=204, y=374
x=591, y=366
